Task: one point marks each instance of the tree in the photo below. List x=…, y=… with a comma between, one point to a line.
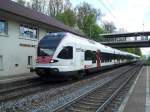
x=28, y=5
x=148, y=58
x=84, y=13
x=68, y=17
x=136, y=51
x=56, y=7
x=44, y=6
x=21, y=2
x=95, y=31
x=86, y=20
x=36, y=5
x=109, y=27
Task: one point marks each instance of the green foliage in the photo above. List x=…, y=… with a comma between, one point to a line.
x=148, y=58
x=132, y=50
x=84, y=17
x=86, y=20
x=68, y=17
x=21, y=2
x=95, y=31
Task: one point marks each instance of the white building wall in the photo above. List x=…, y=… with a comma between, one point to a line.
x=14, y=54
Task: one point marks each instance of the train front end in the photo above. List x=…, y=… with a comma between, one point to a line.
x=45, y=54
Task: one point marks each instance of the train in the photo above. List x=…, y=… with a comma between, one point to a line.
x=66, y=54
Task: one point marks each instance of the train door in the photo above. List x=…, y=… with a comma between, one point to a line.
x=81, y=58
x=98, y=59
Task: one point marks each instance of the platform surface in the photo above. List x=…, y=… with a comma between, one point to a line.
x=18, y=77
x=138, y=99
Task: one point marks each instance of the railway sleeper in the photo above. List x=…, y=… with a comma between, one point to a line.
x=83, y=108
x=102, y=94
x=91, y=101
x=88, y=103
x=95, y=97
x=71, y=110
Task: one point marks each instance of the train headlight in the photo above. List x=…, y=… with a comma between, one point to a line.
x=53, y=61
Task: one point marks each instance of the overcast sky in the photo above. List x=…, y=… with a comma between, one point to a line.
x=129, y=14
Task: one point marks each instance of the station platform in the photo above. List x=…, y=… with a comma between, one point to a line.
x=138, y=98
x=18, y=77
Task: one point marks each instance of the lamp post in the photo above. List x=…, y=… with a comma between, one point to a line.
x=142, y=37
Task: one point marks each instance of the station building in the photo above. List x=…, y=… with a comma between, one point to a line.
x=20, y=30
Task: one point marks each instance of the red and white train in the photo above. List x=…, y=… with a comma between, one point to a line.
x=66, y=54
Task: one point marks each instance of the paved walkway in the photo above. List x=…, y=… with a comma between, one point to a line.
x=138, y=99
x=6, y=79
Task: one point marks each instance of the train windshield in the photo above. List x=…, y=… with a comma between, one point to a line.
x=45, y=52
x=49, y=43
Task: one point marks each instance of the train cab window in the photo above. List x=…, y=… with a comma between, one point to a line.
x=66, y=53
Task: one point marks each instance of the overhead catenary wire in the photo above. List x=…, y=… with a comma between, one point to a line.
x=110, y=10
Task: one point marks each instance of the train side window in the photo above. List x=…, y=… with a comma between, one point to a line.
x=88, y=55
x=102, y=57
x=66, y=53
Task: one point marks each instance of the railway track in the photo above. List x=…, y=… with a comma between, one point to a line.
x=117, y=101
x=100, y=98
x=16, y=90
x=29, y=87
x=32, y=86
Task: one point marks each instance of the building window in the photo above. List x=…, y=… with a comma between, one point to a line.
x=66, y=53
x=3, y=27
x=30, y=62
x=28, y=32
x=1, y=62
